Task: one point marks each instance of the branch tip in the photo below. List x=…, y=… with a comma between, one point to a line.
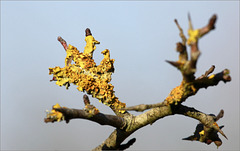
x=88, y=32
x=212, y=22
x=190, y=21
x=173, y=63
x=221, y=132
x=63, y=42
x=128, y=144
x=220, y=115
x=175, y=20
x=86, y=100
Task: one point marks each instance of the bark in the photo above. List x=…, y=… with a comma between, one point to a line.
x=100, y=118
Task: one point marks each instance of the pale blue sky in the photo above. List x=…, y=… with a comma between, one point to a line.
x=140, y=35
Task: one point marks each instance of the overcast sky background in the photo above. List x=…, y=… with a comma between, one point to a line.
x=140, y=37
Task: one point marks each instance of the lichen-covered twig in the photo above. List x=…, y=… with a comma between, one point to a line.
x=90, y=78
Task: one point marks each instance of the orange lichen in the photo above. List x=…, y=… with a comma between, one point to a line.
x=216, y=124
x=175, y=95
x=201, y=133
x=180, y=93
x=87, y=76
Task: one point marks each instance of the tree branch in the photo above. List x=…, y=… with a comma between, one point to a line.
x=188, y=68
x=194, y=35
x=143, y=107
x=102, y=119
x=205, y=81
x=207, y=120
x=94, y=80
x=181, y=46
x=210, y=26
x=206, y=134
x=183, y=37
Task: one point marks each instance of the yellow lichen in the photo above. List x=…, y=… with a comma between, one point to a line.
x=193, y=36
x=86, y=75
x=175, y=95
x=92, y=110
x=55, y=115
x=215, y=124
x=212, y=76
x=179, y=93
x=90, y=46
x=201, y=133
x=194, y=90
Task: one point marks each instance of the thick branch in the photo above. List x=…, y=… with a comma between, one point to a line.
x=151, y=116
x=102, y=119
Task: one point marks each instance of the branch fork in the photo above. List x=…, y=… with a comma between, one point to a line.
x=94, y=80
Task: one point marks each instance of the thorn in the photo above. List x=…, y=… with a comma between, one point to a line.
x=190, y=22
x=221, y=132
x=190, y=138
x=174, y=63
x=175, y=20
